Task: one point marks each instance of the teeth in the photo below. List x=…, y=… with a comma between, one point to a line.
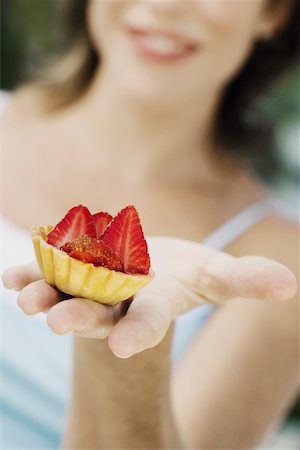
x=162, y=44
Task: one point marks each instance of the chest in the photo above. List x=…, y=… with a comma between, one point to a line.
x=37, y=192
x=45, y=174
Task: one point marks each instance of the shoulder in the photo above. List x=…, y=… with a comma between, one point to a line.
x=25, y=141
x=17, y=120
x=21, y=104
x=25, y=120
x=276, y=237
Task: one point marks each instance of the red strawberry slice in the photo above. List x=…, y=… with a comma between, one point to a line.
x=89, y=249
x=125, y=237
x=78, y=222
x=101, y=220
x=85, y=257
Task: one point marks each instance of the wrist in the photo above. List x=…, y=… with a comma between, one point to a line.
x=125, y=401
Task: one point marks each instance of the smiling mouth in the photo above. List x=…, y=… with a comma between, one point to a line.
x=162, y=46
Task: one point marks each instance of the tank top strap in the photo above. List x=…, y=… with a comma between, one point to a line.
x=4, y=99
x=241, y=223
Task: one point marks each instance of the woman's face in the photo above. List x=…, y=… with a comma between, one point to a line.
x=172, y=51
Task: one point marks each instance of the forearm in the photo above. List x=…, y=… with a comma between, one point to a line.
x=245, y=364
x=120, y=403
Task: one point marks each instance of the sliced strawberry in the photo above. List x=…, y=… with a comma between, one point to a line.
x=101, y=220
x=85, y=257
x=78, y=222
x=125, y=237
x=89, y=249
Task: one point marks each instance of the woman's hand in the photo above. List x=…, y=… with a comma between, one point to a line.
x=187, y=275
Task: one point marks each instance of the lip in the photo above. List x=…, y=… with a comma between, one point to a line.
x=138, y=37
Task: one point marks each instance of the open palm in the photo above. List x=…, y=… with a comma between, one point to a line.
x=187, y=274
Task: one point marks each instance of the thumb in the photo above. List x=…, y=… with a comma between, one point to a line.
x=148, y=317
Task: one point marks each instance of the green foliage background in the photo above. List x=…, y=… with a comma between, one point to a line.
x=27, y=26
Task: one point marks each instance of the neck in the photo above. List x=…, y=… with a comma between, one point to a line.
x=165, y=142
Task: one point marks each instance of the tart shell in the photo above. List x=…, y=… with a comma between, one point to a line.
x=81, y=279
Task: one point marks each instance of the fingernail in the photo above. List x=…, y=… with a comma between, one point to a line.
x=63, y=332
x=124, y=355
x=66, y=330
x=13, y=288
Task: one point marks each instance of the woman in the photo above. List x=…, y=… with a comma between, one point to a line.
x=150, y=126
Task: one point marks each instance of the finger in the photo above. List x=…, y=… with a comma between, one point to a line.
x=224, y=277
x=20, y=276
x=83, y=317
x=148, y=317
x=218, y=276
x=38, y=297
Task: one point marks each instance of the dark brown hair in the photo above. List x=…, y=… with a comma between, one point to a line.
x=242, y=125
x=241, y=128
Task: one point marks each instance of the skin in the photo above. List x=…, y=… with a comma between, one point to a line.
x=166, y=163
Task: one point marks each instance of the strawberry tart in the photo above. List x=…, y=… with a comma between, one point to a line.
x=98, y=257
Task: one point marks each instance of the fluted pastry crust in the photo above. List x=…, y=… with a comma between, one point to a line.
x=81, y=279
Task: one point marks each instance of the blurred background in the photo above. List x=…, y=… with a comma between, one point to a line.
x=29, y=28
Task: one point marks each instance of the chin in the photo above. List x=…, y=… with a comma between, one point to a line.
x=149, y=86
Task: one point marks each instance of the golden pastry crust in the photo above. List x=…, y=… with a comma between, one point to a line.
x=81, y=279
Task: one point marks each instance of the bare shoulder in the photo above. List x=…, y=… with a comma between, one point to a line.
x=17, y=129
x=28, y=137
x=21, y=121
x=275, y=237
x=22, y=105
